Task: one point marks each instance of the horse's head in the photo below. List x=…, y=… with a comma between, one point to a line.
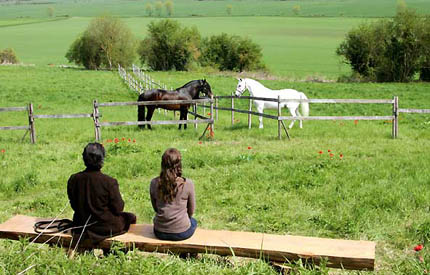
x=205, y=88
x=241, y=87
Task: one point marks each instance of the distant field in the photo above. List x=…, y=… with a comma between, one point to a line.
x=186, y=8
x=292, y=47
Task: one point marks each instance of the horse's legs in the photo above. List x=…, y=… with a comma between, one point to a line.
x=141, y=115
x=185, y=118
x=260, y=109
x=149, y=115
x=293, y=114
x=300, y=121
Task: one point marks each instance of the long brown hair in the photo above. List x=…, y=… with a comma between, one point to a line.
x=171, y=169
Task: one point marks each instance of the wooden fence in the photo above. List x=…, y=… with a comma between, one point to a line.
x=30, y=126
x=148, y=81
x=130, y=81
x=394, y=116
x=203, y=119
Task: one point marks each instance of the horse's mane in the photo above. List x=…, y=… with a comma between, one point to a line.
x=254, y=81
x=187, y=84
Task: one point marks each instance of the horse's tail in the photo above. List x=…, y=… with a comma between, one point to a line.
x=140, y=110
x=304, y=105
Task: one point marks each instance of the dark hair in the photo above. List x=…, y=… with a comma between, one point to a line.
x=93, y=155
x=171, y=169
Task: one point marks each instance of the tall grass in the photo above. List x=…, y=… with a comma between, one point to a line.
x=245, y=179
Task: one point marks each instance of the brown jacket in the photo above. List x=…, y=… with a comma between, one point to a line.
x=173, y=217
x=96, y=194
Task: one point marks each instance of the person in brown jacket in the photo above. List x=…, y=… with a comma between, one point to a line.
x=96, y=199
x=173, y=200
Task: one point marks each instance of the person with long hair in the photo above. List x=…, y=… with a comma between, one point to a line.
x=173, y=200
x=96, y=200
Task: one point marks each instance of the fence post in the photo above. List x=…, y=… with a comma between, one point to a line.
x=212, y=114
x=395, y=130
x=249, y=114
x=279, y=115
x=232, y=107
x=195, y=116
x=96, y=121
x=216, y=108
x=31, y=123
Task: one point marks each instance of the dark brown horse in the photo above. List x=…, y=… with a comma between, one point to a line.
x=189, y=91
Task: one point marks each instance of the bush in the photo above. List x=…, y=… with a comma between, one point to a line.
x=8, y=56
x=106, y=43
x=170, y=46
x=388, y=50
x=231, y=52
x=425, y=56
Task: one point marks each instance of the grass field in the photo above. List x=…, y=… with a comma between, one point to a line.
x=292, y=47
x=187, y=8
x=377, y=191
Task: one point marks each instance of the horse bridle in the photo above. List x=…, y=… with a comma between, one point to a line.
x=239, y=91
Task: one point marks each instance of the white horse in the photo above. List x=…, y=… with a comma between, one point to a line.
x=256, y=89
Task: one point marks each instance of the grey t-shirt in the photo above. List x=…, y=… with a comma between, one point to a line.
x=173, y=217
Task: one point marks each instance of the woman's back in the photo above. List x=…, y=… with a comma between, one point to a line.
x=174, y=216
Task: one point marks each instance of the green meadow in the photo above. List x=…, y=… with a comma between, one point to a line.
x=372, y=187
x=292, y=47
x=377, y=191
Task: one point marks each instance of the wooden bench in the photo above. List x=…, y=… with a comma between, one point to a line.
x=346, y=254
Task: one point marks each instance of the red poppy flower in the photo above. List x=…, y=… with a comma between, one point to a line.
x=2, y=151
x=320, y=152
x=418, y=247
x=355, y=122
x=209, y=114
x=249, y=147
x=341, y=155
x=200, y=142
x=331, y=155
x=129, y=140
x=134, y=141
x=116, y=140
x=123, y=138
x=329, y=150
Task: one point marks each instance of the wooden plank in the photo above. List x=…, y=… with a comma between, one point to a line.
x=415, y=111
x=154, y=122
x=348, y=254
x=64, y=116
x=246, y=112
x=337, y=118
x=13, y=109
x=164, y=102
x=349, y=101
x=316, y=100
x=14, y=127
x=197, y=115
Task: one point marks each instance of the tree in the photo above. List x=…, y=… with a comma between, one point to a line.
x=388, y=50
x=158, y=7
x=106, y=43
x=8, y=56
x=149, y=9
x=169, y=46
x=169, y=7
x=231, y=52
x=50, y=11
x=425, y=55
x=229, y=9
x=296, y=9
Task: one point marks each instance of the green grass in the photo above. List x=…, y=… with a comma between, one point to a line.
x=187, y=8
x=378, y=191
x=292, y=47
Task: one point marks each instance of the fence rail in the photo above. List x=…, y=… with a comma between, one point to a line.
x=98, y=124
x=30, y=127
x=415, y=111
x=280, y=118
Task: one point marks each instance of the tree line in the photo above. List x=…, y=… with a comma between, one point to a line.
x=108, y=42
